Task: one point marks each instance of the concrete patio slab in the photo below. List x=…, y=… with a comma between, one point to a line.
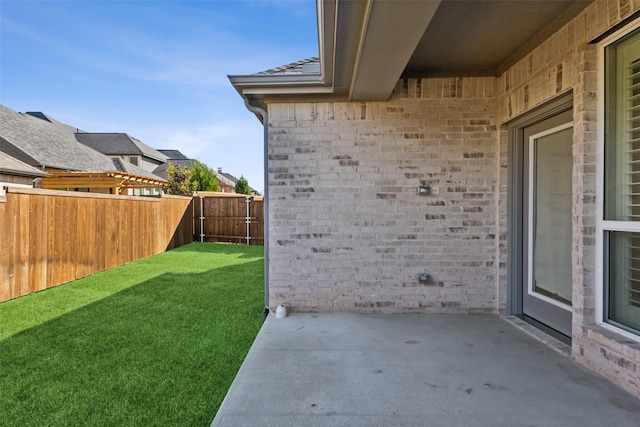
x=414, y=370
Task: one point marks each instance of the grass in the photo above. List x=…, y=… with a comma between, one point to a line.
x=154, y=342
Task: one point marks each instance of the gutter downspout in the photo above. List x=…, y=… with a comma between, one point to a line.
x=265, y=124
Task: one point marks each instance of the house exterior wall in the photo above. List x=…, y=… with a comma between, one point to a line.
x=7, y=180
x=149, y=164
x=567, y=61
x=144, y=162
x=348, y=230
x=15, y=180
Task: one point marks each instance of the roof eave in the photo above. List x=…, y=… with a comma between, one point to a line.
x=282, y=81
x=254, y=88
x=360, y=55
x=29, y=174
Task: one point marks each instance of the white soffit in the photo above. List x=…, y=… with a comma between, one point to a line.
x=390, y=34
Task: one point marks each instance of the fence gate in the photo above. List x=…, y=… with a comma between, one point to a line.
x=225, y=217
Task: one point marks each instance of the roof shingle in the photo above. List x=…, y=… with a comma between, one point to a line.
x=309, y=65
x=161, y=170
x=173, y=154
x=43, y=142
x=118, y=143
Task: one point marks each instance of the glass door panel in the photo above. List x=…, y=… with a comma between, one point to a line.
x=551, y=216
x=547, y=270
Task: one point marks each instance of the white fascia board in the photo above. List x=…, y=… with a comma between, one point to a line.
x=280, y=84
x=288, y=91
x=276, y=80
x=326, y=13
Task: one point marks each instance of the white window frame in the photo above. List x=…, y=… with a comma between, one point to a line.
x=601, y=224
x=530, y=237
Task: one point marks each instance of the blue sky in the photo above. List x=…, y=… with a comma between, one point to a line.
x=156, y=70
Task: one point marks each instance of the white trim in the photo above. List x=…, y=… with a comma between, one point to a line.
x=530, y=291
x=633, y=227
x=601, y=224
x=620, y=331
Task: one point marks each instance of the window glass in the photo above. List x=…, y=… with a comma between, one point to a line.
x=624, y=279
x=622, y=130
x=622, y=183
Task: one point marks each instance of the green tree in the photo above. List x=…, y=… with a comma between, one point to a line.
x=204, y=178
x=179, y=181
x=242, y=186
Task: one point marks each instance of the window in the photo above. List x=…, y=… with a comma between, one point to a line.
x=621, y=225
x=133, y=160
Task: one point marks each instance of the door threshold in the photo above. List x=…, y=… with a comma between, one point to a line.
x=560, y=346
x=547, y=330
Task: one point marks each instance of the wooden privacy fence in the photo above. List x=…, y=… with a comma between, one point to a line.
x=228, y=217
x=51, y=237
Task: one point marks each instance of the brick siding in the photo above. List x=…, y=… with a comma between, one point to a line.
x=567, y=61
x=348, y=231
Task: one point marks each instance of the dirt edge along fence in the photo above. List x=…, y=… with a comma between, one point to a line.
x=228, y=217
x=50, y=237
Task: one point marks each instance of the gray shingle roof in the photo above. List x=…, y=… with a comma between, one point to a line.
x=309, y=65
x=60, y=127
x=161, y=170
x=229, y=177
x=48, y=146
x=173, y=154
x=118, y=144
x=124, y=166
x=15, y=152
x=13, y=166
x=109, y=143
x=233, y=179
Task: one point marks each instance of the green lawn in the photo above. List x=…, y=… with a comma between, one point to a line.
x=155, y=342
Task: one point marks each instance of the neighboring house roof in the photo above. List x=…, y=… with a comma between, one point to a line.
x=61, y=127
x=231, y=180
x=12, y=166
x=13, y=151
x=161, y=170
x=230, y=177
x=226, y=178
x=42, y=144
x=173, y=154
x=120, y=144
x=124, y=166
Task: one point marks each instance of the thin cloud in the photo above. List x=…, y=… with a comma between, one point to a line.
x=203, y=62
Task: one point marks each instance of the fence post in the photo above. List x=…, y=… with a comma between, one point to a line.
x=248, y=218
x=201, y=220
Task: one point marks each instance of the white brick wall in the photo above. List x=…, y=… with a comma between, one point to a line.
x=348, y=230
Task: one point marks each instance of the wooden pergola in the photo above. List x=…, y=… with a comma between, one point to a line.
x=110, y=182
